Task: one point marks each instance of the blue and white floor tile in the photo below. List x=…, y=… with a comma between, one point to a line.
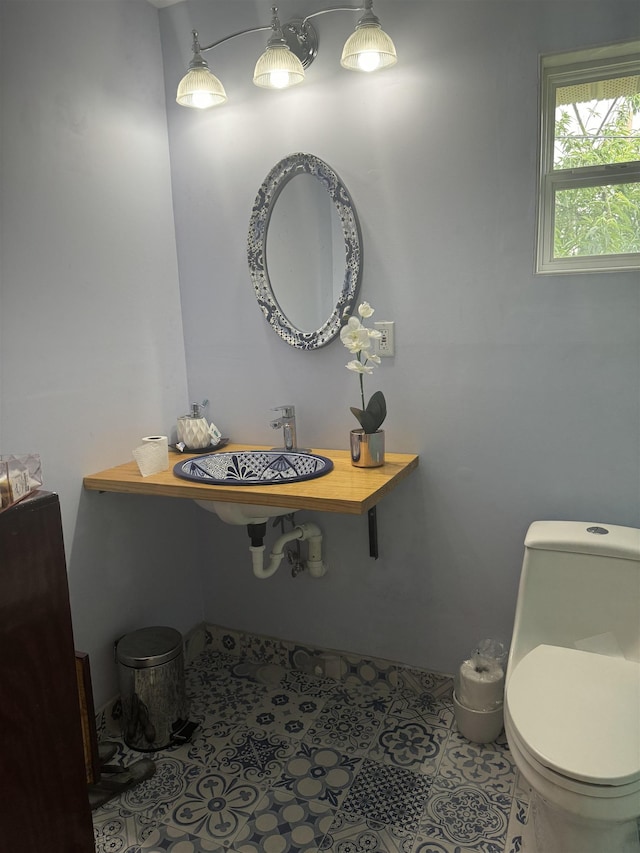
x=411, y=744
x=345, y=726
x=488, y=765
x=255, y=755
x=391, y=795
x=357, y=834
x=168, y=839
x=286, y=762
x=285, y=712
x=319, y=773
x=467, y=816
x=282, y=821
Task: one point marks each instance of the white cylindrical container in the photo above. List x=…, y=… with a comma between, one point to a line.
x=478, y=726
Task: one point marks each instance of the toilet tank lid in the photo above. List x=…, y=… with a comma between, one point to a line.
x=583, y=537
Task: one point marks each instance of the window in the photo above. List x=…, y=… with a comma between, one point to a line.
x=589, y=202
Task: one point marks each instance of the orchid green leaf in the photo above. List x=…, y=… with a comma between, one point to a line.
x=372, y=417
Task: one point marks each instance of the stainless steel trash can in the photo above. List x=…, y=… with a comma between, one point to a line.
x=151, y=680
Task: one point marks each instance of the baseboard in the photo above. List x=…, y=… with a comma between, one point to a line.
x=381, y=675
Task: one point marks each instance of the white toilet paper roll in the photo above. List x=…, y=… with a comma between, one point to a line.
x=481, y=685
x=156, y=439
x=152, y=455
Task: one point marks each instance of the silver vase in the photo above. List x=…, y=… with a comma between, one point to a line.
x=367, y=448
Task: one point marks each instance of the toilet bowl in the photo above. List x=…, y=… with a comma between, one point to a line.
x=572, y=689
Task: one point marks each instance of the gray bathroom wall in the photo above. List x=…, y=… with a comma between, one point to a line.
x=519, y=392
x=91, y=345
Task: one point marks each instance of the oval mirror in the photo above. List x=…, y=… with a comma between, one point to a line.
x=304, y=252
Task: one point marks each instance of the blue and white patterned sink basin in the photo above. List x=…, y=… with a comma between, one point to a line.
x=254, y=467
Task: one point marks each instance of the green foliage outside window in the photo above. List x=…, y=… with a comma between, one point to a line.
x=602, y=219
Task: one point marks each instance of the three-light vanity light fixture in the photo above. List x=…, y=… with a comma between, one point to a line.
x=290, y=49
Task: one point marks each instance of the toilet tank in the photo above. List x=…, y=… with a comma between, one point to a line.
x=579, y=581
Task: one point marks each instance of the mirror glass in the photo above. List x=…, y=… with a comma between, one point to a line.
x=304, y=251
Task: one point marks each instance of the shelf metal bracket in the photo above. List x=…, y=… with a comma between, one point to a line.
x=373, y=532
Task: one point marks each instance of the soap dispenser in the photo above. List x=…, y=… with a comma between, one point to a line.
x=194, y=431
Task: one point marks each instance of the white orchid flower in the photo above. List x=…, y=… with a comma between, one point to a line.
x=359, y=367
x=354, y=336
x=353, y=323
x=364, y=340
x=365, y=310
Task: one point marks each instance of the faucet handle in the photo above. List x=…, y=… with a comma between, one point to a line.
x=287, y=411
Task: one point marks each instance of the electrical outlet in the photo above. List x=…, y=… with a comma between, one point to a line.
x=386, y=344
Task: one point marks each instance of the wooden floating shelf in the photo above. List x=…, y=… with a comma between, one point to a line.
x=346, y=489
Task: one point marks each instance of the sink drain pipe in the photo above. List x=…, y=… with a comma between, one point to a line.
x=307, y=531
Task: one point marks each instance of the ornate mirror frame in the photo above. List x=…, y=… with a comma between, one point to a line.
x=267, y=196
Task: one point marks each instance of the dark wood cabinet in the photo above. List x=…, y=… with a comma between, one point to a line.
x=44, y=805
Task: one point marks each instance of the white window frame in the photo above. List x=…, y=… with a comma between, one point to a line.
x=567, y=69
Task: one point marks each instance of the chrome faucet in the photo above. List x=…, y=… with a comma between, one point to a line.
x=288, y=423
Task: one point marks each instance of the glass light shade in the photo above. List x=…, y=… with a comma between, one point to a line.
x=201, y=89
x=278, y=68
x=369, y=48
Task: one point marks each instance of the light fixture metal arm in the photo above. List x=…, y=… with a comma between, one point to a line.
x=232, y=36
x=336, y=9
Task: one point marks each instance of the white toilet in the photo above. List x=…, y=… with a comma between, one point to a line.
x=572, y=688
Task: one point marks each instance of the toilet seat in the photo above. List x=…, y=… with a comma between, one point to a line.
x=578, y=713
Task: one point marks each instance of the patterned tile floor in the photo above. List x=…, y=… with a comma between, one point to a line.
x=285, y=762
